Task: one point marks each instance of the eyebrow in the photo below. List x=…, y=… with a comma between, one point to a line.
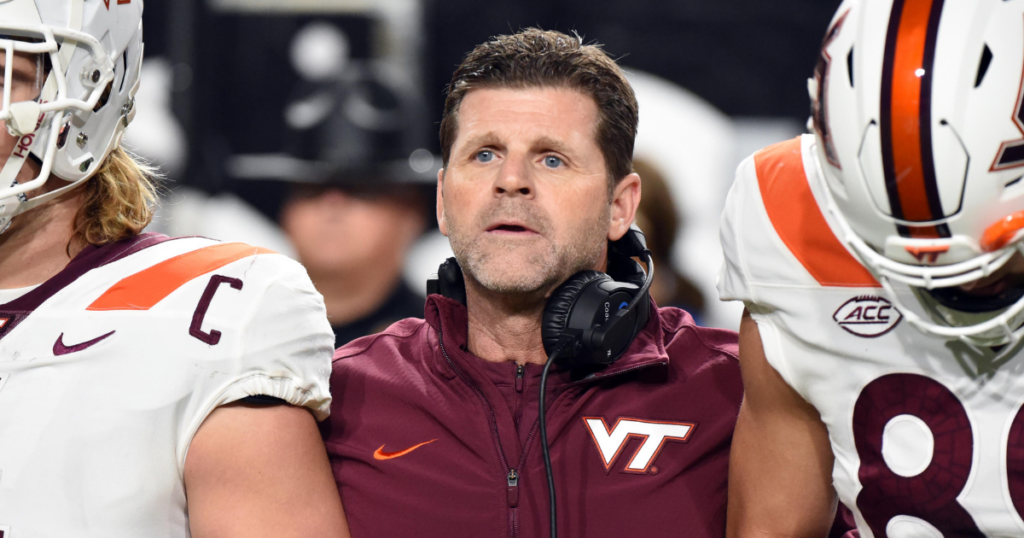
x=541, y=144
x=545, y=142
x=485, y=139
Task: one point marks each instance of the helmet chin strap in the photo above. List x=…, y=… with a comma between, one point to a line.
x=11, y=206
x=18, y=204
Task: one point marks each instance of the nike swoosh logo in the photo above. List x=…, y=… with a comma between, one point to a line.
x=379, y=454
x=60, y=349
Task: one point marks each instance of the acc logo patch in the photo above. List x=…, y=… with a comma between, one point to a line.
x=867, y=316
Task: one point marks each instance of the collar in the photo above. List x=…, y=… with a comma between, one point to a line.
x=449, y=319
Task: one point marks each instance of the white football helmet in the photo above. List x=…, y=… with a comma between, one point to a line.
x=918, y=112
x=94, y=54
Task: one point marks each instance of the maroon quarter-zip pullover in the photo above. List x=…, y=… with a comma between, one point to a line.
x=427, y=440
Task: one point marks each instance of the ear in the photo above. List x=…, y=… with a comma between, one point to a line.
x=441, y=224
x=625, y=200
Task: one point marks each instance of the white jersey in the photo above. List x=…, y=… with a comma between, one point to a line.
x=108, y=369
x=928, y=435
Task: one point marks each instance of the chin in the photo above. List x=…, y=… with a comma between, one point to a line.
x=513, y=278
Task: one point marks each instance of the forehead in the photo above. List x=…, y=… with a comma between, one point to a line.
x=530, y=113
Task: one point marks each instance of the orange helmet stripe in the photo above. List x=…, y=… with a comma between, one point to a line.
x=906, y=113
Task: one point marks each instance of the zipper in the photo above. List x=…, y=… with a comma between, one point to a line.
x=512, y=476
x=519, y=384
x=513, y=488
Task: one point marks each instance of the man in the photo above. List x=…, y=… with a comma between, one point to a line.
x=135, y=371
x=435, y=424
x=879, y=262
x=352, y=239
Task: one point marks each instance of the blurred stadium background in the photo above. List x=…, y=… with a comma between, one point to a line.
x=243, y=99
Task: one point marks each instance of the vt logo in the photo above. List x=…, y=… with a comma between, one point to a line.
x=610, y=443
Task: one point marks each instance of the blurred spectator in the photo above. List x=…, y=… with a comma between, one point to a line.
x=359, y=185
x=660, y=221
x=352, y=240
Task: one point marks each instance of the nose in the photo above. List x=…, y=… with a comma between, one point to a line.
x=514, y=179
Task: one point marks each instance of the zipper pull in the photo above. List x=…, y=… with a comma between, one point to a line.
x=520, y=373
x=513, y=488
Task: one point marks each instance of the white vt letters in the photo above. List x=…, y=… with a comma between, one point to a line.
x=611, y=442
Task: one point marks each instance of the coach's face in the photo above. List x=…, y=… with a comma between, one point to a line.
x=524, y=199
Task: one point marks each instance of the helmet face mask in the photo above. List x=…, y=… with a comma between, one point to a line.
x=919, y=117
x=86, y=99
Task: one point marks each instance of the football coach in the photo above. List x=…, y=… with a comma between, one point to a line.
x=435, y=430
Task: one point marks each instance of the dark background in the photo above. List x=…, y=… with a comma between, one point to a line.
x=746, y=57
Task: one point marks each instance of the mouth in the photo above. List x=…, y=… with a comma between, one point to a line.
x=510, y=228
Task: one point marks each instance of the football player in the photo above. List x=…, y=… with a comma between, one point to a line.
x=138, y=371
x=880, y=263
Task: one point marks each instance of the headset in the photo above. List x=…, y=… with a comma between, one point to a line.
x=589, y=320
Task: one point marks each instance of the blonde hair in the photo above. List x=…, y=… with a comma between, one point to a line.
x=119, y=200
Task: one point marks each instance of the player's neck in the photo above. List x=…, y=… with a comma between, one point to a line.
x=503, y=327
x=353, y=295
x=38, y=244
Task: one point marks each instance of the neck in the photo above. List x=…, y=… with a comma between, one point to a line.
x=352, y=295
x=38, y=245
x=503, y=327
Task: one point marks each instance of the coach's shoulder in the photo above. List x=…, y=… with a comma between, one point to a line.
x=403, y=341
x=693, y=347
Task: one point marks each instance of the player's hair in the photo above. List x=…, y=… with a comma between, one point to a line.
x=119, y=200
x=536, y=58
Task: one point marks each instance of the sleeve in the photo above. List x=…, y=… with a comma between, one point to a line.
x=287, y=346
x=280, y=346
x=733, y=278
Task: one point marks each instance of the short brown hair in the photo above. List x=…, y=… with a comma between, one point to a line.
x=119, y=200
x=536, y=58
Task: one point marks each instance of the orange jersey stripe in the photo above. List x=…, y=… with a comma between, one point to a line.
x=145, y=289
x=908, y=67
x=799, y=222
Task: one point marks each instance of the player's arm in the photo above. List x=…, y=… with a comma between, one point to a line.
x=780, y=468
x=261, y=471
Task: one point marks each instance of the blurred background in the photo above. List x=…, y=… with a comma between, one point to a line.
x=310, y=126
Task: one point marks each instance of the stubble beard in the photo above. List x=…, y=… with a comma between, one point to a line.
x=486, y=260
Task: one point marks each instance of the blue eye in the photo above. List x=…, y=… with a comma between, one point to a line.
x=552, y=162
x=485, y=156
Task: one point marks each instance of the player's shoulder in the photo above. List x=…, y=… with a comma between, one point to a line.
x=776, y=230
x=186, y=256
x=159, y=275
x=170, y=263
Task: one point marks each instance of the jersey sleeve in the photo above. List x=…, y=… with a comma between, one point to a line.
x=280, y=346
x=733, y=278
x=287, y=346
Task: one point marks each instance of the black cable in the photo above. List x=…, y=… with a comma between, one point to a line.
x=566, y=341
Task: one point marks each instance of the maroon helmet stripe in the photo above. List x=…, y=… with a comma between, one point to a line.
x=906, y=118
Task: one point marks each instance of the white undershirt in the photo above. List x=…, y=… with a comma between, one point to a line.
x=7, y=296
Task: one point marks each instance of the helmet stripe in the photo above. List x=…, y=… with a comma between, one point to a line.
x=906, y=114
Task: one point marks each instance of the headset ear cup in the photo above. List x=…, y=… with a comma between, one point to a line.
x=560, y=304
